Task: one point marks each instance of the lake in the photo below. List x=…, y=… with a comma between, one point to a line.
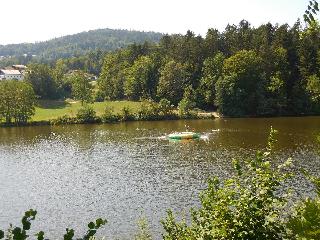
x=123, y=172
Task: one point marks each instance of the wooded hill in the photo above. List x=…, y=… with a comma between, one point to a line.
x=78, y=44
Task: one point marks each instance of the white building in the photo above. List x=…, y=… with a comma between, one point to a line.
x=19, y=67
x=8, y=74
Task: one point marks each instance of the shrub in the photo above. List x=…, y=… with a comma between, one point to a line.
x=144, y=232
x=99, y=96
x=109, y=115
x=148, y=110
x=126, y=114
x=86, y=114
x=246, y=206
x=304, y=223
x=165, y=108
x=65, y=119
x=151, y=110
x=187, y=103
x=185, y=107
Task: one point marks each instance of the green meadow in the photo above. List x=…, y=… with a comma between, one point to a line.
x=46, y=110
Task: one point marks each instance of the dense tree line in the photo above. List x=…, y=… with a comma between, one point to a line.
x=59, y=82
x=91, y=62
x=242, y=71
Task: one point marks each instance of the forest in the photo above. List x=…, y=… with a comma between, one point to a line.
x=270, y=70
x=243, y=71
x=72, y=45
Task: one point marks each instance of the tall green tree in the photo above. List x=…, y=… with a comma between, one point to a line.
x=188, y=102
x=212, y=43
x=141, y=79
x=240, y=89
x=276, y=83
x=309, y=66
x=112, y=77
x=230, y=40
x=59, y=72
x=313, y=88
x=276, y=101
x=173, y=80
x=192, y=56
x=17, y=101
x=211, y=72
x=81, y=87
x=309, y=50
x=244, y=38
x=41, y=78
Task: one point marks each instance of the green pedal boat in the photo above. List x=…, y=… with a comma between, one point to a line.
x=184, y=135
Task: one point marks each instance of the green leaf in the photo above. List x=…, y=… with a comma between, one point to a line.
x=100, y=222
x=305, y=17
x=92, y=233
x=26, y=224
x=1, y=234
x=311, y=17
x=69, y=235
x=91, y=225
x=40, y=235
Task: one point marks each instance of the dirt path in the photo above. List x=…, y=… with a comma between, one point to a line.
x=209, y=114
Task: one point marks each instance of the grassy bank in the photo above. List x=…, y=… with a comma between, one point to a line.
x=72, y=112
x=47, y=110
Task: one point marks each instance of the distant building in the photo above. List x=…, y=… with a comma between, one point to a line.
x=8, y=74
x=19, y=67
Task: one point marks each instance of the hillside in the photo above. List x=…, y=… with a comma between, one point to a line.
x=79, y=44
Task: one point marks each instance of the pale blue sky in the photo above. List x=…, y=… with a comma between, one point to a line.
x=38, y=20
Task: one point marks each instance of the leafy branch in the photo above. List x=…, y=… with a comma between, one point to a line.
x=312, y=10
x=18, y=233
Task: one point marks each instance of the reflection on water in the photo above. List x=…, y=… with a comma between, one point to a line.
x=73, y=174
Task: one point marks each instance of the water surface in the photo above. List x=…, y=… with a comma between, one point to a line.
x=122, y=172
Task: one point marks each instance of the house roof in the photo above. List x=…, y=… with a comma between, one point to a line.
x=19, y=66
x=10, y=72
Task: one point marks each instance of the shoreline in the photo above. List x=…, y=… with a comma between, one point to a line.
x=66, y=120
x=98, y=120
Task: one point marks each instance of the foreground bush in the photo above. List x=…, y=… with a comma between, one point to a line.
x=304, y=223
x=246, y=206
x=143, y=231
x=18, y=233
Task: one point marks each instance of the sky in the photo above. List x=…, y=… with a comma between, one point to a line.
x=40, y=20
